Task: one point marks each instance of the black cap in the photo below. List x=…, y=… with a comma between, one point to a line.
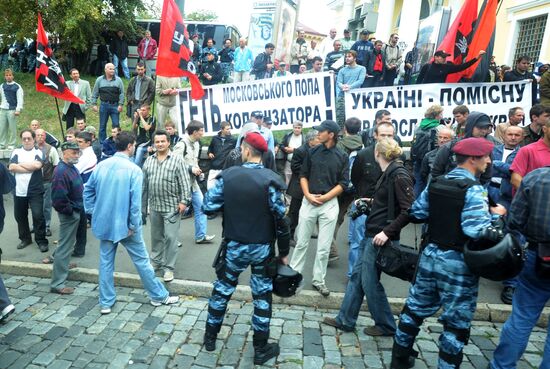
x=365, y=32
x=268, y=121
x=328, y=125
x=346, y=30
x=257, y=114
x=442, y=53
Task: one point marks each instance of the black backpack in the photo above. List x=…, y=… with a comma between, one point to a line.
x=423, y=142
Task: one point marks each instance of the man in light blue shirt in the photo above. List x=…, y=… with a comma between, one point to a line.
x=242, y=62
x=351, y=76
x=258, y=117
x=113, y=197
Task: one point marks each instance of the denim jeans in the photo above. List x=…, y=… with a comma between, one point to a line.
x=200, y=217
x=68, y=226
x=137, y=250
x=356, y=234
x=139, y=155
x=4, y=298
x=105, y=111
x=365, y=282
x=419, y=184
x=124, y=63
x=531, y=294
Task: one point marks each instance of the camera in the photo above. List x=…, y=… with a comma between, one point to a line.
x=445, y=121
x=361, y=207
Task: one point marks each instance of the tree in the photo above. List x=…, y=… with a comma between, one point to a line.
x=75, y=24
x=202, y=15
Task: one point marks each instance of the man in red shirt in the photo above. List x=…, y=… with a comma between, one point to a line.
x=375, y=63
x=147, y=49
x=532, y=156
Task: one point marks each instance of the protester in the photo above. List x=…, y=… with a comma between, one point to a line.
x=51, y=159
x=257, y=116
x=520, y=73
x=362, y=47
x=411, y=58
x=291, y=141
x=67, y=187
x=393, y=58
x=242, y=63
x=110, y=90
x=346, y=41
x=298, y=52
x=460, y=113
x=334, y=59
x=351, y=76
x=375, y=64
x=227, y=55
x=88, y=160
x=528, y=217
x=189, y=149
x=7, y=184
x=263, y=65
x=119, y=51
x=108, y=148
x=443, y=256
x=281, y=71
x=81, y=89
x=438, y=70
x=115, y=205
x=210, y=72
x=144, y=126
x=170, y=127
x=26, y=164
x=383, y=225
x=50, y=139
x=147, y=49
x=218, y=150
x=140, y=91
x=539, y=116
x=11, y=104
x=235, y=156
x=327, y=45
x=167, y=88
x=516, y=116
x=544, y=89
x=208, y=48
x=444, y=135
x=167, y=192
x=323, y=176
x=96, y=145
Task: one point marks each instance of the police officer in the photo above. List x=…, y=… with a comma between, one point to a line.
x=456, y=209
x=251, y=197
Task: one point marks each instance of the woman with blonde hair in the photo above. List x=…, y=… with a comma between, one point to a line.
x=383, y=225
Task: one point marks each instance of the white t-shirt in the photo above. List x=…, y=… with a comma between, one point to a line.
x=27, y=183
x=294, y=142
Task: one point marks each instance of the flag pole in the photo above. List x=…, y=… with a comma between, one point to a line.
x=59, y=118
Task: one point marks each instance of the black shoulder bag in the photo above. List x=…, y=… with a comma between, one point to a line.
x=394, y=259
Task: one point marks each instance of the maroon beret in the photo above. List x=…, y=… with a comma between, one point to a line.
x=473, y=146
x=256, y=140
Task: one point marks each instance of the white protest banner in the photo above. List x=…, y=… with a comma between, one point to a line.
x=308, y=98
x=407, y=104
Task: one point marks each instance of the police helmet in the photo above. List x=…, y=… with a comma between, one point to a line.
x=493, y=260
x=287, y=281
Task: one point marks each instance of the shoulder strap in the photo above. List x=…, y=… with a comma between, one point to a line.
x=391, y=192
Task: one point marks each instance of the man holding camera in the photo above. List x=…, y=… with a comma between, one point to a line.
x=251, y=197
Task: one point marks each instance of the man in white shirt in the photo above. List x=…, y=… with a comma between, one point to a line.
x=88, y=161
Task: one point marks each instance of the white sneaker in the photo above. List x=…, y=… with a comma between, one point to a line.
x=6, y=312
x=206, y=239
x=168, y=276
x=167, y=301
x=105, y=310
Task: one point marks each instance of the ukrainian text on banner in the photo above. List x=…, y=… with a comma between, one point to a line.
x=308, y=98
x=407, y=104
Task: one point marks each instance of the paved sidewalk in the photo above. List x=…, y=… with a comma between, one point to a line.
x=54, y=331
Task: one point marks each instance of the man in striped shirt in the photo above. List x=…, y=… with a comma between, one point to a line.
x=167, y=188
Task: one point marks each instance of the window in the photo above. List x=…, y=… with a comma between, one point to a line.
x=530, y=35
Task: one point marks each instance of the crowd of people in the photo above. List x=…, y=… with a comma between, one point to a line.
x=464, y=183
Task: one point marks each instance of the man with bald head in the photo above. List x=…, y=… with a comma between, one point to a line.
x=110, y=90
x=327, y=45
x=50, y=139
x=242, y=62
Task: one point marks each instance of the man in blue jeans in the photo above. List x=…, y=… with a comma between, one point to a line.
x=110, y=90
x=528, y=217
x=113, y=197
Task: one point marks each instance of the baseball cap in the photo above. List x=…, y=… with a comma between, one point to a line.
x=365, y=32
x=441, y=53
x=69, y=145
x=328, y=125
x=257, y=114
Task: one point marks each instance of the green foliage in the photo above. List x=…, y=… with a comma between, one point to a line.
x=77, y=23
x=202, y=15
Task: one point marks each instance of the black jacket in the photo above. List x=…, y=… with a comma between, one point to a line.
x=286, y=140
x=437, y=73
x=370, y=59
x=214, y=69
x=119, y=47
x=294, y=188
x=365, y=172
x=514, y=75
x=220, y=147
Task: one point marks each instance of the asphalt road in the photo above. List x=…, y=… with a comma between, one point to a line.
x=194, y=261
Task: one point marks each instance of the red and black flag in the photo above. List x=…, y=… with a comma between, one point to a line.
x=48, y=73
x=458, y=39
x=174, y=55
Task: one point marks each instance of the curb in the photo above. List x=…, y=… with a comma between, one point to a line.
x=496, y=313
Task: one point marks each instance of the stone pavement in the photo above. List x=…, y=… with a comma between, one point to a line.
x=53, y=331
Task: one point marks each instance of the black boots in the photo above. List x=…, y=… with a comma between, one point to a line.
x=209, y=341
x=263, y=353
x=402, y=357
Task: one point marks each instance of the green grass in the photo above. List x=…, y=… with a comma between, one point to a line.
x=41, y=106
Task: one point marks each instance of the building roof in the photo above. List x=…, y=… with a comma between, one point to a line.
x=309, y=30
